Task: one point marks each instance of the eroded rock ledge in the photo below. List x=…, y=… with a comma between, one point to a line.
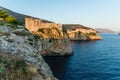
x=59, y=47
x=19, y=43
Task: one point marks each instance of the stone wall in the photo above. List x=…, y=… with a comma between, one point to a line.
x=33, y=24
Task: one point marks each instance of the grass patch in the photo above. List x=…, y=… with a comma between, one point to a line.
x=15, y=68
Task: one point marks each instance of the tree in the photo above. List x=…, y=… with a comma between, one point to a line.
x=11, y=19
x=7, y=19
x=79, y=32
x=3, y=14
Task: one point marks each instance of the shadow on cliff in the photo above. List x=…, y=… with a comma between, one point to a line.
x=58, y=65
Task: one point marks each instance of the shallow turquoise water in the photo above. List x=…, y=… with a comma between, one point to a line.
x=92, y=60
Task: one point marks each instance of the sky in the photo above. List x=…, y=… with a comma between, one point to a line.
x=91, y=13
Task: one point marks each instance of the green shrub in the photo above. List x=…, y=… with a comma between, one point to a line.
x=3, y=13
x=50, y=40
x=36, y=36
x=93, y=34
x=79, y=33
x=29, y=39
x=58, y=31
x=41, y=30
x=10, y=40
x=2, y=23
x=8, y=20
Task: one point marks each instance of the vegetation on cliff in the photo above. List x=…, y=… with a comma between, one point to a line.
x=19, y=56
x=52, y=33
x=6, y=19
x=15, y=68
x=20, y=17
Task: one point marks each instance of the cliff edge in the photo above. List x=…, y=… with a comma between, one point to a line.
x=19, y=56
x=80, y=32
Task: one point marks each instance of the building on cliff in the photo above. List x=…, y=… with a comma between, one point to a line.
x=34, y=24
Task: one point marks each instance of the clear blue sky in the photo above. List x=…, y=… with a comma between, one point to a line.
x=92, y=13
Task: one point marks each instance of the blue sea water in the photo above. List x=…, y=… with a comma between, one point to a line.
x=92, y=60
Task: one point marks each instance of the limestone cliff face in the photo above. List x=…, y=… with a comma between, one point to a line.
x=21, y=44
x=53, y=42
x=79, y=32
x=60, y=47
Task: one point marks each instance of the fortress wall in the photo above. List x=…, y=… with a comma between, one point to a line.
x=34, y=24
x=51, y=25
x=29, y=24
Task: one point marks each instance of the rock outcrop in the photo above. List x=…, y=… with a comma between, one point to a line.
x=80, y=32
x=20, y=43
x=53, y=42
x=22, y=47
x=59, y=47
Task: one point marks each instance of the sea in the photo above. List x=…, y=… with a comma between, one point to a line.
x=92, y=60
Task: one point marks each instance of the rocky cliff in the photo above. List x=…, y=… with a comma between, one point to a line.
x=49, y=38
x=80, y=32
x=19, y=56
x=54, y=42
